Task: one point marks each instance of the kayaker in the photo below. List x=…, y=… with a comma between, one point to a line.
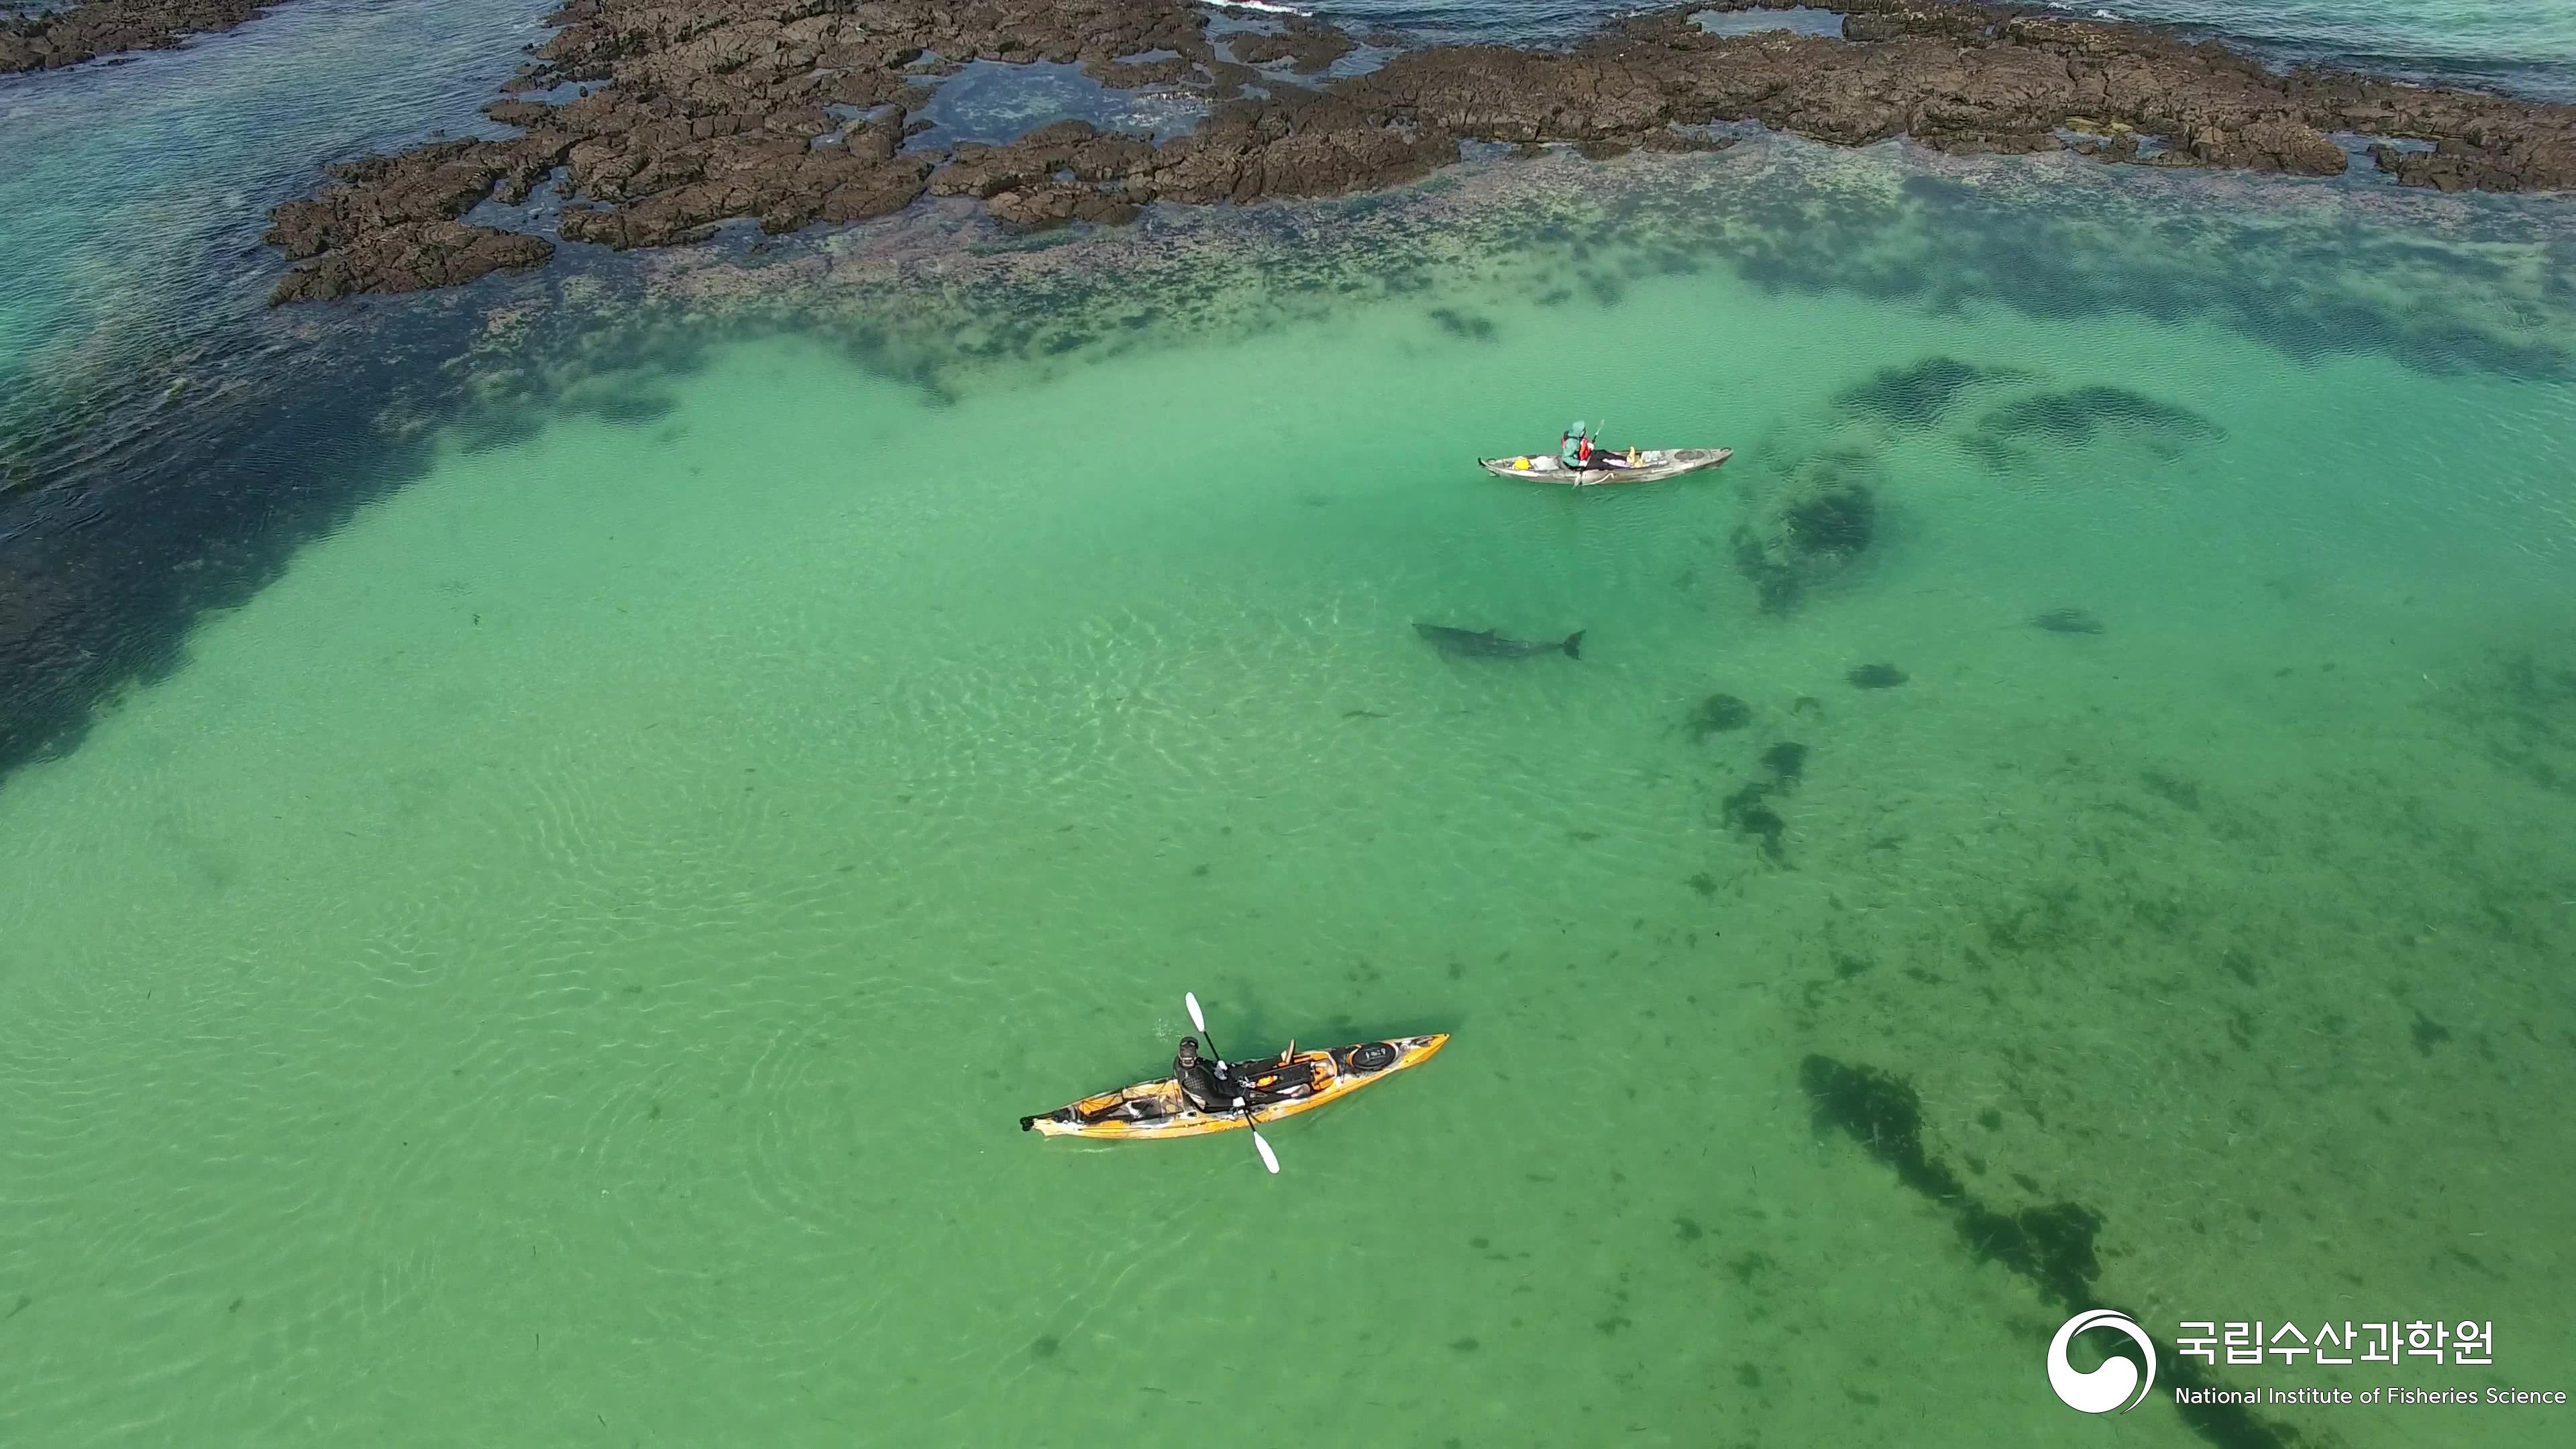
x=1211, y=1087
x=1577, y=451
x=1574, y=449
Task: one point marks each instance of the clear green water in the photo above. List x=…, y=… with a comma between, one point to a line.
x=562, y=965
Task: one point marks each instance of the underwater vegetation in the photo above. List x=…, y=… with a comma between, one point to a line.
x=2522, y=714
x=1922, y=394
x=1747, y=810
x=1463, y=324
x=2076, y=416
x=1718, y=714
x=1918, y=394
x=1746, y=813
x=2051, y=1246
x=1838, y=520
x=1821, y=519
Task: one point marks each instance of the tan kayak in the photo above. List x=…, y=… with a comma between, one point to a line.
x=1653, y=465
x=1283, y=1086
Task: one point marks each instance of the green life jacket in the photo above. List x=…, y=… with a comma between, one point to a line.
x=1572, y=452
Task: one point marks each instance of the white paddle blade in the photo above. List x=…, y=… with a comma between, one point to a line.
x=1197, y=1018
x=1269, y=1159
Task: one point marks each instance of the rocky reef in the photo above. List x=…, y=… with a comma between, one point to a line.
x=795, y=111
x=53, y=39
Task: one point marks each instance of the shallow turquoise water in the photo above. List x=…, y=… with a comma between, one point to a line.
x=563, y=962
x=137, y=193
x=560, y=963
x=2525, y=49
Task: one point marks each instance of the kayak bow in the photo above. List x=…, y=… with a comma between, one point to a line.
x=1282, y=1087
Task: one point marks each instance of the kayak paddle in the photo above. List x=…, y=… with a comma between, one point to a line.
x=1269, y=1159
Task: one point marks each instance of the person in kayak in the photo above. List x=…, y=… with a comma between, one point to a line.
x=1577, y=451
x=1209, y=1086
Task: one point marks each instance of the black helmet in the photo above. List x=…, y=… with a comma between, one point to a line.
x=1189, y=1046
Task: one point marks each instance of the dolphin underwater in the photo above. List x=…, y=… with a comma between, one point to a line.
x=1486, y=644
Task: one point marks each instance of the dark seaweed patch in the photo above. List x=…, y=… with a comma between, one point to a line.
x=1876, y=676
x=1786, y=760
x=110, y=554
x=1882, y=1113
x=2073, y=418
x=2172, y=789
x=1947, y=243
x=2067, y=621
x=1775, y=584
x=1718, y=714
x=2052, y=1246
x=1840, y=520
x=1461, y=324
x=1825, y=516
x=1917, y=395
x=1746, y=813
x=2525, y=719
x=631, y=408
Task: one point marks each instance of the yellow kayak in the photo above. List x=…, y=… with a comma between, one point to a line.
x=1282, y=1086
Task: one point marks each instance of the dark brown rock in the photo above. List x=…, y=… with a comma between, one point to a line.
x=411, y=256
x=2265, y=145
x=95, y=28
x=1984, y=143
x=1053, y=205
x=2457, y=164
x=1128, y=76
x=1074, y=146
x=1307, y=45
x=726, y=115
x=1949, y=22
x=1683, y=141
x=440, y=181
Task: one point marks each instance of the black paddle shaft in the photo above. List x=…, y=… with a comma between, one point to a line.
x=1209, y=1037
x=1251, y=1123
